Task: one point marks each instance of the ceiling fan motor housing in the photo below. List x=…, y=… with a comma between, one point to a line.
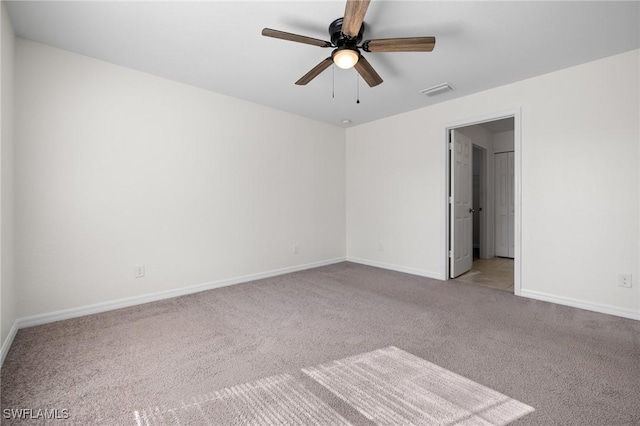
x=340, y=40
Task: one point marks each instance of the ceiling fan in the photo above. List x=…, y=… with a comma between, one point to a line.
x=346, y=35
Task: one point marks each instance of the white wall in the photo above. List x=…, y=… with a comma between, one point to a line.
x=7, y=278
x=580, y=183
x=503, y=141
x=116, y=167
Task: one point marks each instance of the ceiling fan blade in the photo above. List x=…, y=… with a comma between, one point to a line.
x=268, y=32
x=367, y=72
x=353, y=16
x=315, y=71
x=409, y=44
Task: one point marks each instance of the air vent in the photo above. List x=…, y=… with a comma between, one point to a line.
x=436, y=90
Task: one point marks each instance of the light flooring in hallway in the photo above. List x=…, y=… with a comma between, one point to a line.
x=496, y=272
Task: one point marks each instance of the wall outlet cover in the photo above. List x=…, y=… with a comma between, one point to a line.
x=138, y=271
x=624, y=280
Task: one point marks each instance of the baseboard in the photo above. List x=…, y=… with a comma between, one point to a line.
x=96, y=308
x=582, y=304
x=560, y=300
x=8, y=341
x=412, y=271
x=152, y=297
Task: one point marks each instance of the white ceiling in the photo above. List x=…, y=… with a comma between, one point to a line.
x=217, y=45
x=497, y=126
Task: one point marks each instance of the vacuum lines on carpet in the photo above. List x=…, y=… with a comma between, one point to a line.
x=387, y=387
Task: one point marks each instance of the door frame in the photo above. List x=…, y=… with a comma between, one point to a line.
x=516, y=114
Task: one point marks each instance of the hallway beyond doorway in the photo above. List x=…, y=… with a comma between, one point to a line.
x=496, y=272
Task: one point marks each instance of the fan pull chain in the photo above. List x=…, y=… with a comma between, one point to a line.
x=357, y=89
x=333, y=81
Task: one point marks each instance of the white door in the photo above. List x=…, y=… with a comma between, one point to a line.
x=461, y=217
x=504, y=167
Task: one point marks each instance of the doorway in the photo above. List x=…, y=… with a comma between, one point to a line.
x=483, y=201
x=478, y=189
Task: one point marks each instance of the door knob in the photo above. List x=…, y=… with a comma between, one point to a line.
x=471, y=210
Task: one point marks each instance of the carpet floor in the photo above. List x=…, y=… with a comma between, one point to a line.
x=289, y=350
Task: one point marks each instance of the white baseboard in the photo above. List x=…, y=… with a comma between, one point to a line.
x=8, y=341
x=151, y=297
x=95, y=308
x=560, y=300
x=407, y=270
x=582, y=304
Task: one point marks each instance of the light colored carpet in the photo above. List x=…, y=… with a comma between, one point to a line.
x=574, y=367
x=388, y=386
x=392, y=387
x=277, y=400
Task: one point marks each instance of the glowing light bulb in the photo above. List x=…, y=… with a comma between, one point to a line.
x=346, y=58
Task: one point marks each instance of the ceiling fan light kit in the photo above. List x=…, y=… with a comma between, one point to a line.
x=345, y=57
x=346, y=35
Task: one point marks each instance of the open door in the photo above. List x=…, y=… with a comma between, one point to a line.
x=504, y=208
x=461, y=207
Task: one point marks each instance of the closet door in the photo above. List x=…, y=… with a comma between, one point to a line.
x=504, y=211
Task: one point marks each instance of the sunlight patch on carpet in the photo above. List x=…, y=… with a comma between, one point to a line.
x=390, y=386
x=275, y=400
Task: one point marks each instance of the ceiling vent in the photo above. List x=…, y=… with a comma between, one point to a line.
x=435, y=90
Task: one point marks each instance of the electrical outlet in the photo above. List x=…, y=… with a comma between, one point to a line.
x=138, y=271
x=296, y=249
x=624, y=280
x=380, y=247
